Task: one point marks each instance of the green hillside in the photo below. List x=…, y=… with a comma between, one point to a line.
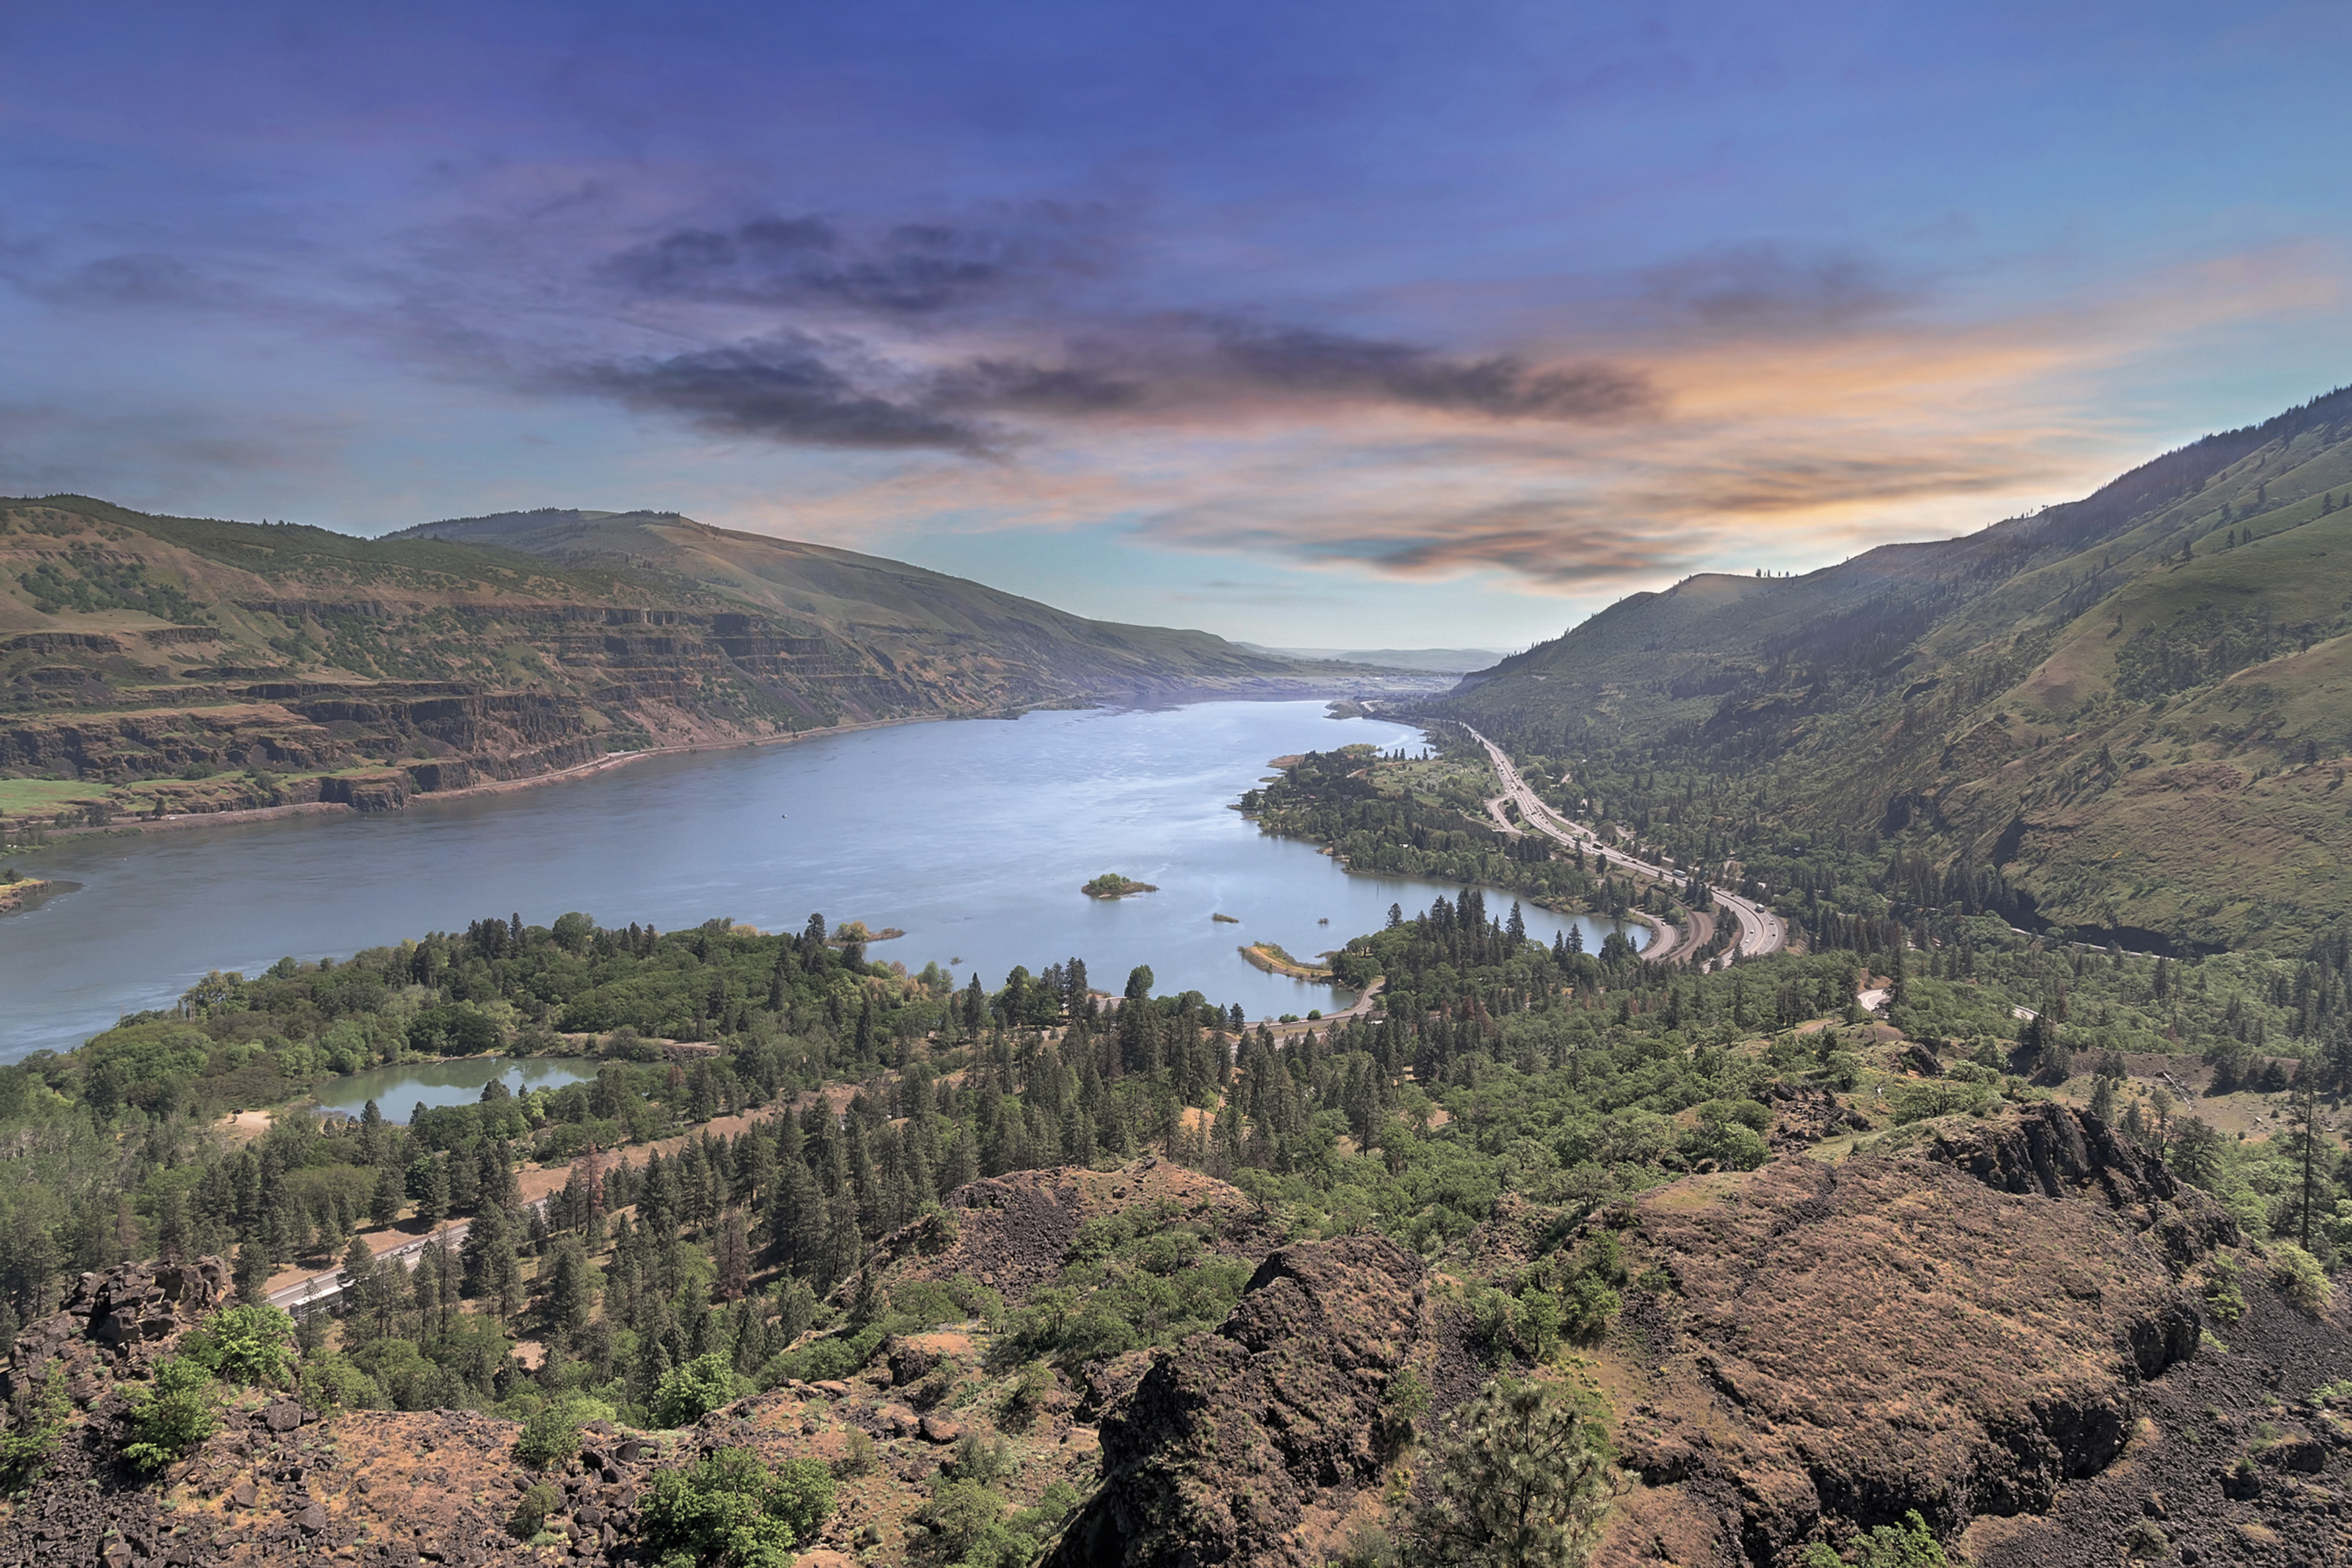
x=161, y=665
x=922, y=621
x=2131, y=713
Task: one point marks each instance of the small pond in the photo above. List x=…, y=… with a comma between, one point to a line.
x=399, y=1089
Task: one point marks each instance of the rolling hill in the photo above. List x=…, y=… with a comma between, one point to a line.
x=2136, y=708
x=154, y=665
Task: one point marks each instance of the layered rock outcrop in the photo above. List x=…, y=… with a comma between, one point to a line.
x=1958, y=1322
x=1252, y=1444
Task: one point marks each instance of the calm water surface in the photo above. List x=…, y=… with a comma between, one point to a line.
x=973, y=836
x=398, y=1091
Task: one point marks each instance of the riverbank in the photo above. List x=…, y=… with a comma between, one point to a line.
x=23, y=894
x=610, y=760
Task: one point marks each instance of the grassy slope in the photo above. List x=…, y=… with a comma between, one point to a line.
x=603, y=631
x=1971, y=684
x=875, y=601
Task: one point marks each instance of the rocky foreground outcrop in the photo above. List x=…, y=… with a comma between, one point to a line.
x=1011, y=1232
x=1960, y=1321
x=114, y=1324
x=1253, y=1444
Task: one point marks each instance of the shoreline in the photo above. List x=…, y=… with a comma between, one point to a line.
x=1650, y=923
x=184, y=820
x=606, y=763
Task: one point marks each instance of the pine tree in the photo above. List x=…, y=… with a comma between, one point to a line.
x=1523, y=1483
x=734, y=1257
x=571, y=1289
x=251, y=1275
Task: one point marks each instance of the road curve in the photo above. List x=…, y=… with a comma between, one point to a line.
x=1760, y=930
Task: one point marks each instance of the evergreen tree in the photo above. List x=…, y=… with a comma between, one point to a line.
x=1524, y=1482
x=251, y=1275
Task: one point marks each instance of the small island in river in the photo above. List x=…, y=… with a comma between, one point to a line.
x=1112, y=885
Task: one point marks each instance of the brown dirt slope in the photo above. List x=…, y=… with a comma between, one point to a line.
x=280, y=1483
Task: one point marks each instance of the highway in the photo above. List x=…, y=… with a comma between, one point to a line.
x=1760, y=930
x=322, y=1288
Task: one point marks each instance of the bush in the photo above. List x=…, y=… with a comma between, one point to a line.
x=172, y=1414
x=331, y=1382
x=1034, y=1382
x=25, y=1452
x=2223, y=1300
x=733, y=1510
x=531, y=1511
x=1905, y=1545
x=857, y=1455
x=2297, y=1276
x=983, y=1456
x=959, y=1516
x=550, y=1437
x=969, y=1523
x=686, y=1394
x=244, y=1345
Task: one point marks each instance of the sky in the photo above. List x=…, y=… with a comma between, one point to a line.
x=1339, y=325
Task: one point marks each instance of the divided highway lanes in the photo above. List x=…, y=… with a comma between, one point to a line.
x=1760, y=930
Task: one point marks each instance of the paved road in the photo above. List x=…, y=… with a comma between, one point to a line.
x=1360, y=1005
x=1760, y=930
x=322, y=1288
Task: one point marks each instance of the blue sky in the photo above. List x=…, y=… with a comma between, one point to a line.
x=1344, y=325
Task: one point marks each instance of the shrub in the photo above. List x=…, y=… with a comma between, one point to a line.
x=1034, y=1382
x=550, y=1437
x=733, y=1510
x=1403, y=1405
x=686, y=1394
x=2297, y=1276
x=531, y=1511
x=857, y=1455
x=172, y=1414
x=246, y=1346
x=1905, y=1545
x=959, y=1514
x=983, y=1456
x=331, y=1382
x=968, y=1523
x=25, y=1452
x=2223, y=1300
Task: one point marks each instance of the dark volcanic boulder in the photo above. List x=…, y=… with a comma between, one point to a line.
x=126, y=1315
x=1249, y=1445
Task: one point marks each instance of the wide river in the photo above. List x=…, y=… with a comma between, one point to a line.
x=973, y=836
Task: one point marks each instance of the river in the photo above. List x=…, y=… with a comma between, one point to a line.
x=973, y=836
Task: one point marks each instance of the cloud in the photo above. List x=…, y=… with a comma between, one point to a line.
x=1329, y=364
x=903, y=269
x=795, y=387
x=1762, y=288
x=785, y=388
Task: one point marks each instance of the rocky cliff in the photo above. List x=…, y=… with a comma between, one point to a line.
x=1255, y=1443
x=1966, y=1319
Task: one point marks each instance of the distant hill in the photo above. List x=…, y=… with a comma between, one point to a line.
x=1436, y=660
x=2137, y=707
x=167, y=664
